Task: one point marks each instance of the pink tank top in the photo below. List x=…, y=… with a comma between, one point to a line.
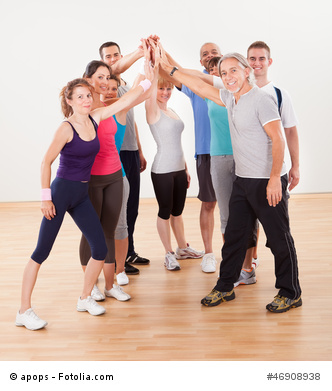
x=107, y=160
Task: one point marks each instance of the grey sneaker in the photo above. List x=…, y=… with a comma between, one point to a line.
x=171, y=263
x=90, y=305
x=188, y=252
x=247, y=277
x=30, y=320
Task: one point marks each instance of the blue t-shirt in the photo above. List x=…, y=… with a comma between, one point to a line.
x=202, y=122
x=221, y=143
x=119, y=136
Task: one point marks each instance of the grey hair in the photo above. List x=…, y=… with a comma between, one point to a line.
x=243, y=64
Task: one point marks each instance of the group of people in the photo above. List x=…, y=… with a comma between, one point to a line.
x=239, y=149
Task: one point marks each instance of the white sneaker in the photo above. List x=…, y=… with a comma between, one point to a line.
x=96, y=294
x=209, y=263
x=255, y=263
x=122, y=278
x=188, y=252
x=90, y=305
x=171, y=263
x=30, y=320
x=118, y=293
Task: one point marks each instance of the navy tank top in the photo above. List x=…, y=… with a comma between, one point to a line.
x=77, y=157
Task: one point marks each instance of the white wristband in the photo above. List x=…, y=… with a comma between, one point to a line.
x=145, y=84
x=46, y=195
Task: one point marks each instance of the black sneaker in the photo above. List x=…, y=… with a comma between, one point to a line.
x=131, y=269
x=136, y=259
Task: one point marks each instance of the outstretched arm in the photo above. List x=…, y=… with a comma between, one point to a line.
x=127, y=61
x=129, y=99
x=198, y=86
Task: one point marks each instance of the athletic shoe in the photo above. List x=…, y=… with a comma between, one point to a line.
x=96, y=294
x=131, y=270
x=122, y=278
x=118, y=293
x=283, y=304
x=215, y=297
x=137, y=260
x=90, y=305
x=247, y=277
x=255, y=263
x=30, y=320
x=209, y=263
x=188, y=252
x=171, y=263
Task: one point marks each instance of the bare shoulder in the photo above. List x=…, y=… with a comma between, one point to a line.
x=64, y=132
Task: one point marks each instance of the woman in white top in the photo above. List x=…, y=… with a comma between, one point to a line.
x=169, y=173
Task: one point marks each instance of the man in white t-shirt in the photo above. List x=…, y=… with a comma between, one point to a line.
x=259, y=58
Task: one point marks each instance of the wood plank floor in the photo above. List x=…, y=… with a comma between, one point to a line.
x=164, y=320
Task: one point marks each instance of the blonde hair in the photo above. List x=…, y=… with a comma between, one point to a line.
x=67, y=93
x=164, y=83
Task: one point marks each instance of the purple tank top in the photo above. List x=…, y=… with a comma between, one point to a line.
x=77, y=157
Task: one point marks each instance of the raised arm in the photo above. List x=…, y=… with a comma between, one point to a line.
x=198, y=86
x=273, y=189
x=151, y=105
x=129, y=99
x=127, y=61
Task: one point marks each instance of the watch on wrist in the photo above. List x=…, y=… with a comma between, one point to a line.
x=173, y=70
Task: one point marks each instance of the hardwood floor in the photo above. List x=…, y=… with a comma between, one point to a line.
x=164, y=319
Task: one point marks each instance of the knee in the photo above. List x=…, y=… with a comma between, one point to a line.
x=164, y=213
x=99, y=252
x=208, y=207
x=121, y=233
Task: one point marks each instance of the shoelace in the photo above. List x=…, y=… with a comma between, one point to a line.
x=91, y=301
x=210, y=260
x=32, y=314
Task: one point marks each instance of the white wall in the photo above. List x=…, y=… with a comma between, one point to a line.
x=44, y=44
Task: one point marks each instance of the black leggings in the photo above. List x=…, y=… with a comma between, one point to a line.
x=105, y=192
x=171, y=191
x=72, y=197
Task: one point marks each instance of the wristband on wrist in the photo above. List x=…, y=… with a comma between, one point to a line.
x=46, y=195
x=145, y=84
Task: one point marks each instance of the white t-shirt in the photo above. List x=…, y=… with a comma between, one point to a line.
x=288, y=116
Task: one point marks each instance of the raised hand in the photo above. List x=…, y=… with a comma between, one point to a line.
x=148, y=68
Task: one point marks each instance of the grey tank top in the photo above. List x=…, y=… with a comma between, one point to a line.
x=167, y=134
x=129, y=141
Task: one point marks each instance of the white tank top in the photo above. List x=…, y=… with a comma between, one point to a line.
x=167, y=134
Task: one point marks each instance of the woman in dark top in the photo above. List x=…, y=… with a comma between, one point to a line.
x=77, y=142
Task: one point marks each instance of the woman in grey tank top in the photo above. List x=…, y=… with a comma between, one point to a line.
x=169, y=173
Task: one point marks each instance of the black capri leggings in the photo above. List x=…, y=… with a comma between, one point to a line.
x=105, y=192
x=171, y=192
x=72, y=197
